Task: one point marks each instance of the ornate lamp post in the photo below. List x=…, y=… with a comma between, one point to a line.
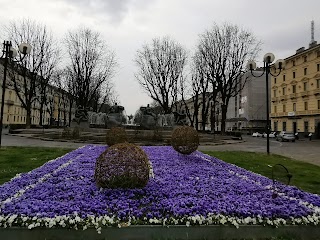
x=278, y=66
x=8, y=56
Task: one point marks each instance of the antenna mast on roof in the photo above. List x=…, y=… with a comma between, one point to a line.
x=312, y=31
x=313, y=43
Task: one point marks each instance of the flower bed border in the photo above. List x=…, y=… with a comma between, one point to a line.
x=164, y=232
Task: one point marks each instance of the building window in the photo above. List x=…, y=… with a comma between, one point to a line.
x=275, y=93
x=305, y=71
x=284, y=78
x=284, y=126
x=275, y=109
x=275, y=80
x=284, y=108
x=318, y=104
x=305, y=86
x=284, y=91
x=294, y=107
x=318, y=67
x=294, y=89
x=14, y=118
x=318, y=83
x=305, y=105
x=294, y=74
x=305, y=58
x=293, y=62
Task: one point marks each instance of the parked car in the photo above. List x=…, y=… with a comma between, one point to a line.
x=286, y=136
x=256, y=134
x=271, y=135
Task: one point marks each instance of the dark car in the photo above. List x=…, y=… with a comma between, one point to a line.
x=286, y=136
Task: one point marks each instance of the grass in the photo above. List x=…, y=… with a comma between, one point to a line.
x=306, y=176
x=15, y=160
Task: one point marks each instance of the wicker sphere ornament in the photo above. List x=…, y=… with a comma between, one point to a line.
x=116, y=135
x=185, y=139
x=122, y=165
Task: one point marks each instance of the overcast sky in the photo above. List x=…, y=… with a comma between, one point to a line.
x=282, y=25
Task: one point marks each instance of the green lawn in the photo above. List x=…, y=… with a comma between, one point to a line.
x=306, y=176
x=15, y=160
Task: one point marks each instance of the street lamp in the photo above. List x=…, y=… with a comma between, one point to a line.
x=267, y=61
x=8, y=55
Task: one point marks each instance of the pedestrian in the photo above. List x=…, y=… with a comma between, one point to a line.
x=310, y=136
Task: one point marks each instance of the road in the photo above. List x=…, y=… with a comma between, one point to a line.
x=304, y=150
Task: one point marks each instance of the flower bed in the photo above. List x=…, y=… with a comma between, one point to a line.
x=189, y=190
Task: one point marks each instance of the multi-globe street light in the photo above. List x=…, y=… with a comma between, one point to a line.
x=8, y=56
x=278, y=66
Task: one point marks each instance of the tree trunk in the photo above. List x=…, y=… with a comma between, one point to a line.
x=70, y=110
x=28, y=118
x=41, y=114
x=223, y=118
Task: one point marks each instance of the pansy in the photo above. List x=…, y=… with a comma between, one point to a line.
x=189, y=190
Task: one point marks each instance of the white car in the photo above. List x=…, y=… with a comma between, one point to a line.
x=271, y=135
x=256, y=134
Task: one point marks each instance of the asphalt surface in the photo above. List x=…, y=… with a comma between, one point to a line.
x=304, y=150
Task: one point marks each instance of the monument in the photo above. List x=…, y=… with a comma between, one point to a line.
x=80, y=118
x=116, y=116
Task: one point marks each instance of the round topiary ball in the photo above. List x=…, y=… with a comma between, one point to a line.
x=116, y=135
x=185, y=139
x=122, y=165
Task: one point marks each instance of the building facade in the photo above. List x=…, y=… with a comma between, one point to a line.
x=247, y=111
x=55, y=111
x=295, y=102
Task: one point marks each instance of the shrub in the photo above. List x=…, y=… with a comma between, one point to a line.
x=122, y=165
x=185, y=139
x=66, y=133
x=76, y=133
x=116, y=135
x=157, y=134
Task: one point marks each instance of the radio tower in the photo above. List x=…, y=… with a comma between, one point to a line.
x=312, y=31
x=313, y=42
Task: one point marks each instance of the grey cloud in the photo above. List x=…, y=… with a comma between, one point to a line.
x=114, y=10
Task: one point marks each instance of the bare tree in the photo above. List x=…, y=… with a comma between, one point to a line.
x=160, y=65
x=203, y=86
x=91, y=64
x=37, y=68
x=226, y=50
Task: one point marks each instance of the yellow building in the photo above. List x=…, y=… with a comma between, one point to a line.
x=56, y=110
x=295, y=93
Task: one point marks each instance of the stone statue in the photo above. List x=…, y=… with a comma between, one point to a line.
x=180, y=118
x=148, y=119
x=115, y=116
x=81, y=115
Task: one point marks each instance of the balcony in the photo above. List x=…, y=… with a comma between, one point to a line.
x=283, y=98
x=280, y=114
x=10, y=102
x=293, y=95
x=316, y=91
x=304, y=94
x=315, y=111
